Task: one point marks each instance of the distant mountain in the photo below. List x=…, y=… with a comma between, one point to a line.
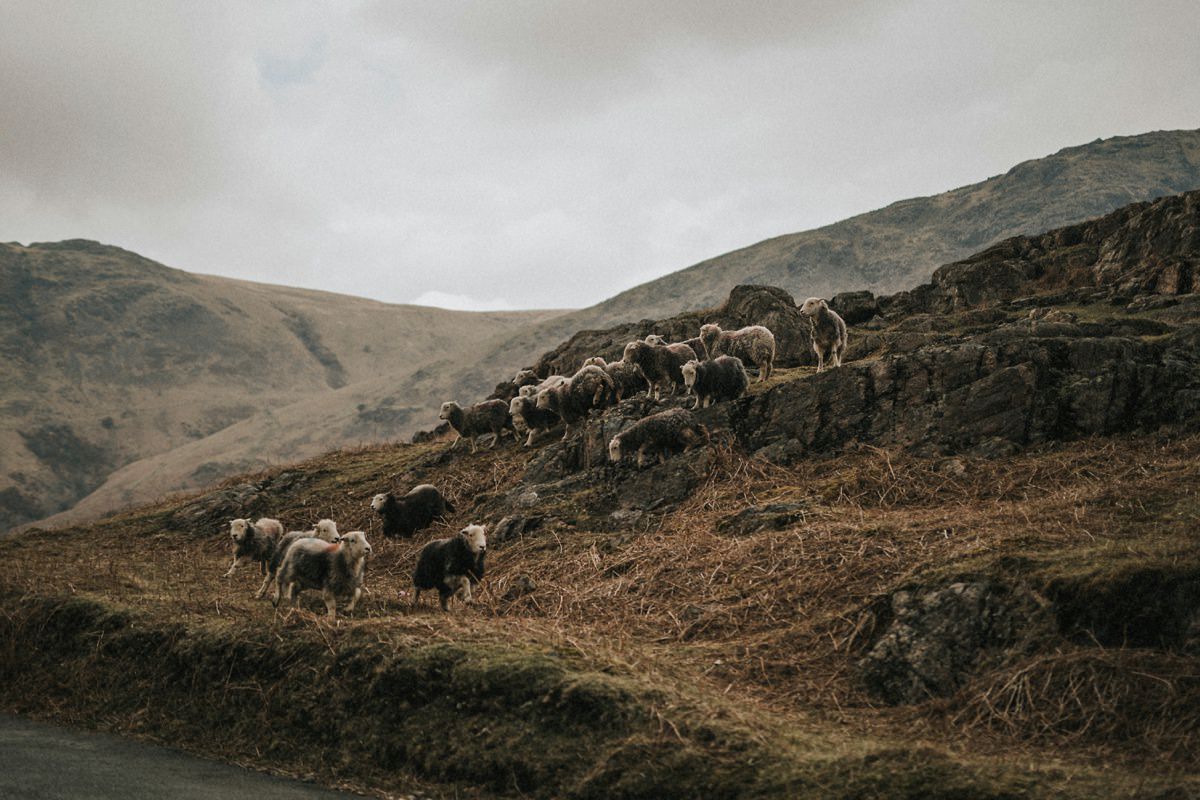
x=392, y=392
x=109, y=358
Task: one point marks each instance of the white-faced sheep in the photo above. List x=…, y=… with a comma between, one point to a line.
x=525, y=377
x=490, y=416
x=254, y=541
x=695, y=343
x=723, y=378
x=828, y=331
x=587, y=389
x=627, y=377
x=660, y=364
x=527, y=415
x=753, y=345
x=451, y=566
x=404, y=516
x=658, y=435
x=325, y=530
x=334, y=568
x=547, y=383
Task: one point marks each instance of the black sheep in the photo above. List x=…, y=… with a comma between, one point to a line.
x=723, y=378
x=660, y=364
x=404, y=516
x=452, y=566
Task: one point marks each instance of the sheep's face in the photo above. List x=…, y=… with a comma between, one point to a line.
x=632, y=351
x=689, y=373
x=378, y=501
x=476, y=536
x=694, y=434
x=356, y=544
x=595, y=361
x=526, y=391
x=709, y=331
x=238, y=530
x=812, y=306
x=654, y=338
x=544, y=399
x=614, y=449
x=447, y=407
x=327, y=529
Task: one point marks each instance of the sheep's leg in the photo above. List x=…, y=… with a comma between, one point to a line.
x=467, y=596
x=236, y=561
x=330, y=603
x=820, y=360
x=662, y=456
x=529, y=438
x=474, y=444
x=444, y=598
x=457, y=439
x=278, y=592
x=354, y=599
x=495, y=439
x=641, y=456
x=262, y=590
x=416, y=597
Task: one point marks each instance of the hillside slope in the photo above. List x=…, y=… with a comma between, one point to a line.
x=109, y=357
x=964, y=565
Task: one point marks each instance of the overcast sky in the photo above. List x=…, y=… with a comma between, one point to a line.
x=541, y=154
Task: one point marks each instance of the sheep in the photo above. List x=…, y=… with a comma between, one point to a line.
x=572, y=400
x=753, y=345
x=404, y=516
x=334, y=568
x=828, y=331
x=723, y=378
x=627, y=378
x=325, y=530
x=695, y=343
x=254, y=541
x=452, y=566
x=490, y=416
x=660, y=364
x=525, y=412
x=550, y=382
x=672, y=430
x=525, y=377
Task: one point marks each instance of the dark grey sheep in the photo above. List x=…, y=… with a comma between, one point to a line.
x=335, y=568
x=525, y=413
x=753, y=345
x=723, y=378
x=658, y=435
x=627, y=378
x=587, y=389
x=660, y=364
x=490, y=416
x=404, y=516
x=828, y=331
x=451, y=566
x=325, y=531
x=254, y=541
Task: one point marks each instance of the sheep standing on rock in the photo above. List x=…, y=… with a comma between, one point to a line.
x=525, y=377
x=334, y=568
x=753, y=345
x=490, y=416
x=452, y=566
x=325, y=530
x=627, y=378
x=254, y=541
x=404, y=516
x=828, y=331
x=548, y=383
x=661, y=364
x=674, y=430
x=572, y=400
x=723, y=378
x=527, y=415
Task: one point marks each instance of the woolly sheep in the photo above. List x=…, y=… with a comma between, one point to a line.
x=753, y=345
x=334, y=568
x=451, y=566
x=627, y=378
x=828, y=331
x=254, y=541
x=572, y=400
x=490, y=416
x=695, y=343
x=723, y=378
x=404, y=516
x=525, y=413
x=525, y=377
x=548, y=383
x=660, y=364
x=656, y=435
x=325, y=530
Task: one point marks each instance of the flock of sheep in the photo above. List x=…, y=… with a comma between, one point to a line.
x=333, y=563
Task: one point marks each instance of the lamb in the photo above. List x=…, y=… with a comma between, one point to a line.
x=572, y=400
x=526, y=413
x=490, y=416
x=828, y=331
x=254, y=541
x=404, y=516
x=452, y=566
x=723, y=378
x=334, y=568
x=627, y=378
x=656, y=435
x=753, y=345
x=660, y=364
x=325, y=530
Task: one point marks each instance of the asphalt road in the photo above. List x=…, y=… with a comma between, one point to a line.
x=44, y=762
